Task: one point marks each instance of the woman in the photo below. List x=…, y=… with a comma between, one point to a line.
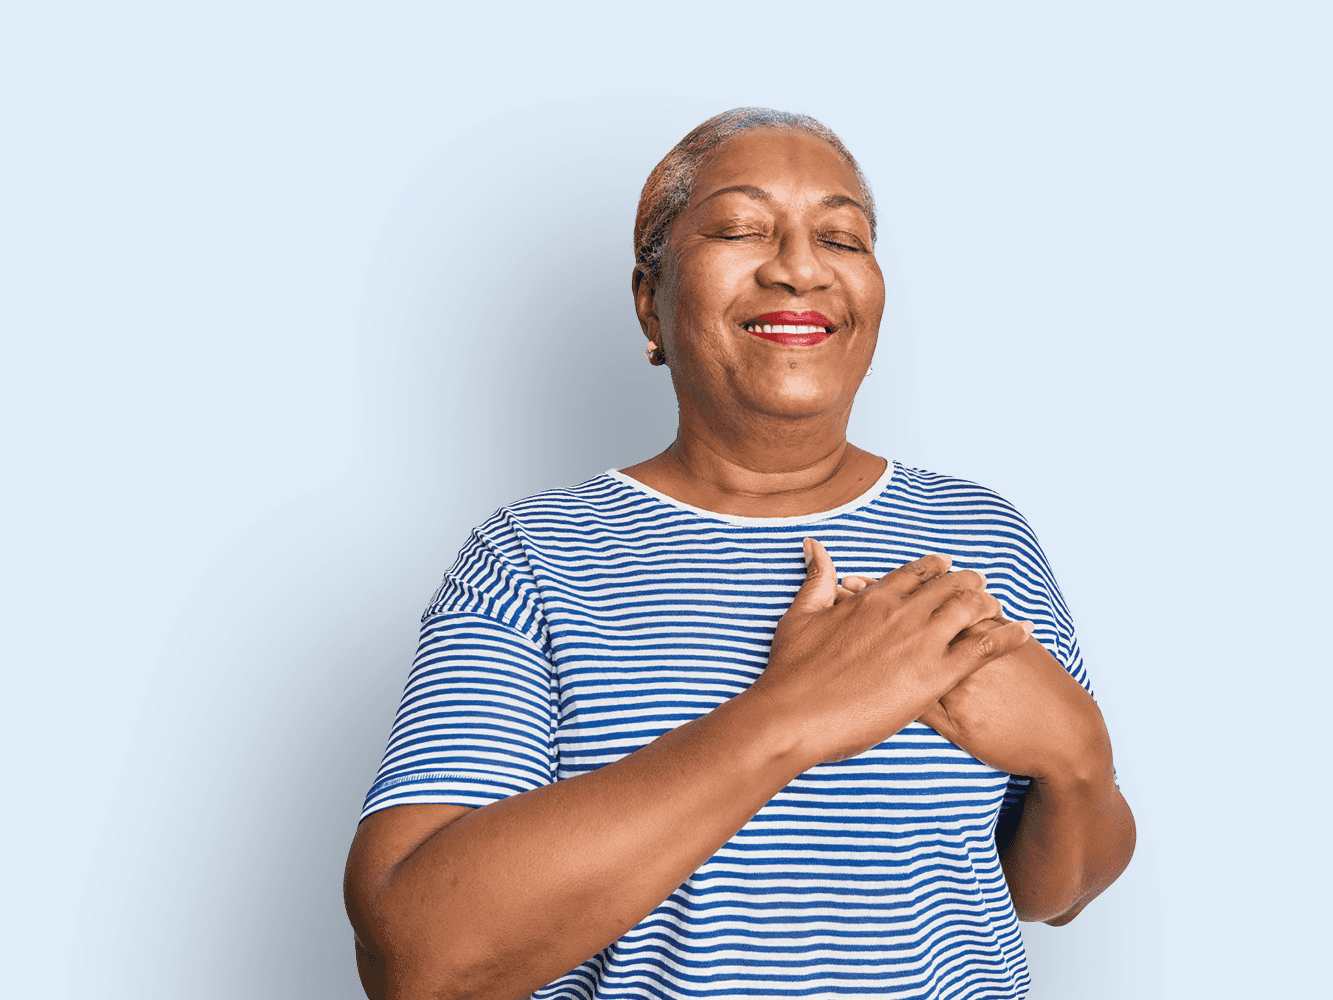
x=652, y=745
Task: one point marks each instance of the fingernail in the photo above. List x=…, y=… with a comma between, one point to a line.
x=1027, y=627
x=807, y=551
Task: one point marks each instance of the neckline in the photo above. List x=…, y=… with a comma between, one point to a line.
x=869, y=495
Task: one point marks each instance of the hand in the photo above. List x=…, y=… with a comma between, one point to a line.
x=1023, y=713
x=851, y=673
x=850, y=586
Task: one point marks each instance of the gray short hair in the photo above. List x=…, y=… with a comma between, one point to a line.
x=668, y=188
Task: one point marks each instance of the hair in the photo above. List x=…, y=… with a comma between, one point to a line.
x=669, y=187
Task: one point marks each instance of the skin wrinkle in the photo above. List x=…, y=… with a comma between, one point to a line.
x=775, y=416
x=670, y=186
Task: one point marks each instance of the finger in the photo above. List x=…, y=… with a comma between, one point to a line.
x=937, y=719
x=964, y=609
x=910, y=576
x=856, y=584
x=981, y=649
x=985, y=625
x=850, y=586
x=821, y=579
x=936, y=593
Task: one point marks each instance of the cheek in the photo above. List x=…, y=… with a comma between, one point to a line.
x=711, y=280
x=870, y=298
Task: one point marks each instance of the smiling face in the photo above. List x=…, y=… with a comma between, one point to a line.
x=770, y=297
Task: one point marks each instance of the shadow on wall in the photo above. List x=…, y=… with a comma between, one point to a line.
x=517, y=362
x=501, y=356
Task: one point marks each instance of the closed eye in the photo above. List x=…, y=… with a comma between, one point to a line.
x=842, y=241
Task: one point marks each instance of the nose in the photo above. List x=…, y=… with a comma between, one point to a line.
x=795, y=265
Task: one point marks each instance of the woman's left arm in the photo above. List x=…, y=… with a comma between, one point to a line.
x=1074, y=839
x=1024, y=713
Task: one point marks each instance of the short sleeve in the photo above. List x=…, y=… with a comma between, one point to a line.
x=1037, y=598
x=476, y=720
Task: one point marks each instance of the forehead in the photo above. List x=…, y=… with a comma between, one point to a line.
x=786, y=162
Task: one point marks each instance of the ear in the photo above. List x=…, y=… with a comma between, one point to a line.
x=645, y=304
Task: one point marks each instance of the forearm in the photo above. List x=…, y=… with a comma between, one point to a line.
x=514, y=895
x=1075, y=837
x=506, y=898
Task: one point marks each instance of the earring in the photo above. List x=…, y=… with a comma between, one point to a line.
x=871, y=370
x=654, y=354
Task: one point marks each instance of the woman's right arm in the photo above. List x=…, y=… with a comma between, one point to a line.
x=501, y=900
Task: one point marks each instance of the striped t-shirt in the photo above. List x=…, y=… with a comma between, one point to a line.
x=580, y=624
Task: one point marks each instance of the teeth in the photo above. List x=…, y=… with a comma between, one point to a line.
x=768, y=328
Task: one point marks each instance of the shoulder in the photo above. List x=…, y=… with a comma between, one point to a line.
x=942, y=487
x=601, y=499
x=984, y=531
x=501, y=552
x=958, y=502
x=976, y=525
x=500, y=567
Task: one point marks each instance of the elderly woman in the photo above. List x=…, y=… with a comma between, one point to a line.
x=655, y=745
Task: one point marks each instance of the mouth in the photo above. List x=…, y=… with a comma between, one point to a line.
x=795, y=329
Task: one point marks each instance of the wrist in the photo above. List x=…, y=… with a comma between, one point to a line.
x=777, y=731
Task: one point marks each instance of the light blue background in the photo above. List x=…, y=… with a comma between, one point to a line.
x=294, y=294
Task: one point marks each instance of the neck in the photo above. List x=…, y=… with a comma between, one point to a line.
x=776, y=468
x=762, y=468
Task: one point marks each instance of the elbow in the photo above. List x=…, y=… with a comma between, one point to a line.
x=1054, y=904
x=1056, y=913
x=1058, y=901
x=399, y=959
x=370, y=970
x=414, y=938
x=394, y=959
x=400, y=975
x=1067, y=916
x=394, y=963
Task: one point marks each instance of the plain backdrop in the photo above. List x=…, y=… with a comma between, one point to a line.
x=295, y=294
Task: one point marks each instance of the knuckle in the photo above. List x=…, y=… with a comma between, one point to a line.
x=968, y=579
x=985, y=645
x=916, y=569
x=974, y=600
x=925, y=567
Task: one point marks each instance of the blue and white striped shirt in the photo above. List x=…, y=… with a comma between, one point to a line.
x=579, y=625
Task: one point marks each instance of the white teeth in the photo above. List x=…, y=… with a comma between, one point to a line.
x=768, y=328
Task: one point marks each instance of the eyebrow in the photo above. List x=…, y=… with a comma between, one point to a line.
x=759, y=194
x=749, y=190
x=838, y=200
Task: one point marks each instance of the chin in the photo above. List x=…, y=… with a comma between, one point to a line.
x=798, y=397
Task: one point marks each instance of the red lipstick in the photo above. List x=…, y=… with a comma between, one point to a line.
x=795, y=329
